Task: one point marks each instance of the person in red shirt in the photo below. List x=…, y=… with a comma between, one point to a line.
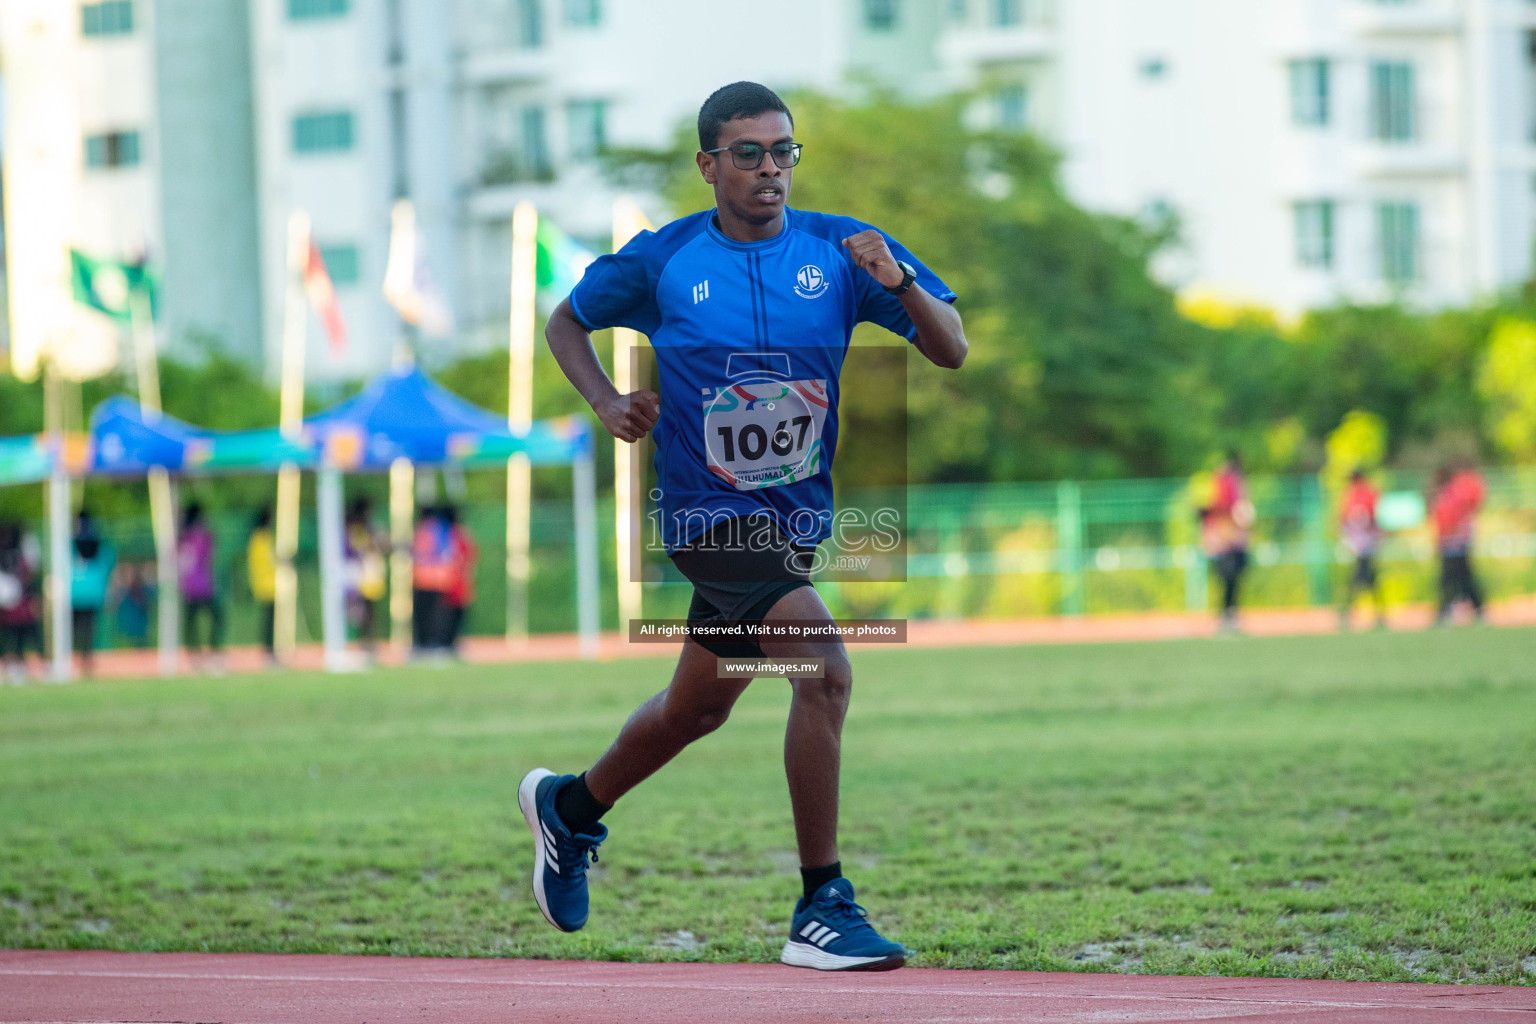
x=462, y=556
x=431, y=579
x=1362, y=536
x=1459, y=494
x=1225, y=526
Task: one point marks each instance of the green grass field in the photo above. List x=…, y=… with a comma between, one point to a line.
x=1351, y=807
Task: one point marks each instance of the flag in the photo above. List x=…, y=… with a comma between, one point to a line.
x=561, y=262
x=106, y=285
x=322, y=295
x=407, y=284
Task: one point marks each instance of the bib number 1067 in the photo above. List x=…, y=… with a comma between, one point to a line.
x=753, y=440
x=765, y=433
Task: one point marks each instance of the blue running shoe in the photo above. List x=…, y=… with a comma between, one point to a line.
x=560, y=859
x=832, y=933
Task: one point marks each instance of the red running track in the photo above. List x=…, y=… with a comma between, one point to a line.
x=248, y=988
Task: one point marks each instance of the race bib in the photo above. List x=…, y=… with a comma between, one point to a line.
x=765, y=433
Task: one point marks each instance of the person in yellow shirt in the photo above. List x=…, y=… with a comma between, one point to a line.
x=261, y=567
x=367, y=571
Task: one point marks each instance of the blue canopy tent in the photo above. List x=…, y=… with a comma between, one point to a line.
x=26, y=459
x=124, y=442
x=405, y=415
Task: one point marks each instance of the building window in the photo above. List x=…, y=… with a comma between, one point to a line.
x=1397, y=233
x=112, y=149
x=341, y=262
x=328, y=132
x=1309, y=92
x=1006, y=12
x=583, y=13
x=1314, y=234
x=535, y=143
x=586, y=128
x=1392, y=101
x=880, y=15
x=113, y=18
x=530, y=23
x=1012, y=106
x=1530, y=84
x=1153, y=67
x=303, y=10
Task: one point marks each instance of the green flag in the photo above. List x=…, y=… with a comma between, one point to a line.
x=562, y=261
x=106, y=285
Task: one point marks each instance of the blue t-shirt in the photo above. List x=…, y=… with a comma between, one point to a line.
x=749, y=340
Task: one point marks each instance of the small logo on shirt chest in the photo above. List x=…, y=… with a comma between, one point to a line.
x=700, y=292
x=811, y=283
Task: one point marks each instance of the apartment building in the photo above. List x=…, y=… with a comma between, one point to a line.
x=157, y=157
x=1311, y=151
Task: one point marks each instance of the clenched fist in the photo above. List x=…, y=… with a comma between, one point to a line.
x=630, y=417
x=869, y=251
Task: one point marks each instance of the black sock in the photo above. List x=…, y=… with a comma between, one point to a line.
x=578, y=808
x=815, y=878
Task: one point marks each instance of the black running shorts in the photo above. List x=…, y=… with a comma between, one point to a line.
x=739, y=570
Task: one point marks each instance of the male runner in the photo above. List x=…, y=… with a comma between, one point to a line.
x=749, y=307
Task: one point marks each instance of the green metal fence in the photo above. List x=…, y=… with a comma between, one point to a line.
x=1072, y=548
x=989, y=550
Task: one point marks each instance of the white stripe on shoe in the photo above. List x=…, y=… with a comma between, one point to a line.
x=527, y=800
x=799, y=954
x=822, y=942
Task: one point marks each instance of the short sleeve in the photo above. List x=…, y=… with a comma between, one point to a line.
x=620, y=290
x=878, y=306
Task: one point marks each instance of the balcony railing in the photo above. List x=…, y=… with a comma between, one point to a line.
x=1404, y=17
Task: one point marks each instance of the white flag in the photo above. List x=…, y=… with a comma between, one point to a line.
x=408, y=286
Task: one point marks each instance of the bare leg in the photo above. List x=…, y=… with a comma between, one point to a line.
x=814, y=736
x=694, y=704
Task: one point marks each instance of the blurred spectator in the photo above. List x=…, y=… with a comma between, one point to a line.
x=462, y=556
x=261, y=568
x=1458, y=496
x=1225, y=526
x=367, y=571
x=1362, y=536
x=90, y=579
x=135, y=598
x=20, y=603
x=199, y=594
x=431, y=579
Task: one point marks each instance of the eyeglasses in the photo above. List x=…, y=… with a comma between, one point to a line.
x=748, y=156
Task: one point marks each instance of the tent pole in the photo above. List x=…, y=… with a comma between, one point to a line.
x=162, y=513
x=162, y=508
x=332, y=569
x=61, y=565
x=402, y=507
x=628, y=221
x=62, y=572
x=291, y=421
x=584, y=500
x=525, y=283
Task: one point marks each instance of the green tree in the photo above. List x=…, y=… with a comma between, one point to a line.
x=1508, y=380
x=1079, y=360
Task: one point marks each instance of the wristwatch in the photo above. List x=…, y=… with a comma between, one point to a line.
x=908, y=275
